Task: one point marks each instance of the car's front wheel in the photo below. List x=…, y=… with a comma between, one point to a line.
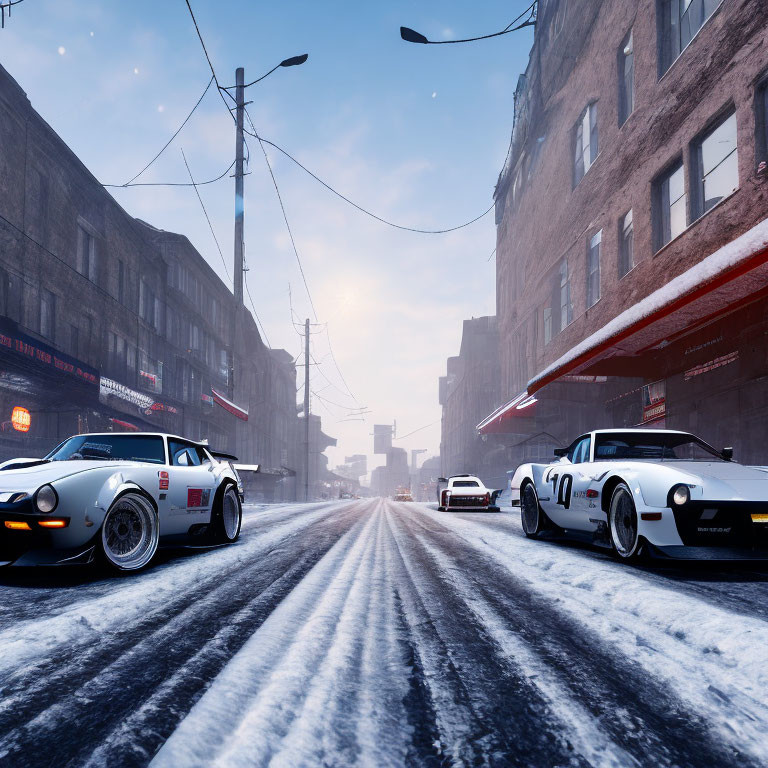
x=622, y=524
x=130, y=533
x=228, y=518
x=531, y=514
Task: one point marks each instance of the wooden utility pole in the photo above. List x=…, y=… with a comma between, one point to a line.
x=239, y=211
x=306, y=410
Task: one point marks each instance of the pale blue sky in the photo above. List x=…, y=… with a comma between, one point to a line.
x=415, y=133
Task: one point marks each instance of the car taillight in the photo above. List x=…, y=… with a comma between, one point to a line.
x=163, y=480
x=487, y=498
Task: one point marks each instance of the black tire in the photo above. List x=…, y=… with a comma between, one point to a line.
x=623, y=527
x=532, y=516
x=227, y=516
x=130, y=533
x=441, y=509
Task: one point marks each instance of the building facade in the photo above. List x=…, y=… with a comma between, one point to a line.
x=632, y=241
x=107, y=323
x=468, y=391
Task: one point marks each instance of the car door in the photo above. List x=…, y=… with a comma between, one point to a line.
x=567, y=482
x=191, y=485
x=581, y=506
x=556, y=486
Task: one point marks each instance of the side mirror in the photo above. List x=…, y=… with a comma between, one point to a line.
x=560, y=452
x=727, y=453
x=442, y=479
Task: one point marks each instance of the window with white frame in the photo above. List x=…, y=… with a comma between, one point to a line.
x=585, y=142
x=670, y=203
x=593, y=269
x=86, y=253
x=715, y=166
x=626, y=78
x=680, y=21
x=626, y=243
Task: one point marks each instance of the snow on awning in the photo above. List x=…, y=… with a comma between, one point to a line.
x=498, y=421
x=733, y=275
x=228, y=405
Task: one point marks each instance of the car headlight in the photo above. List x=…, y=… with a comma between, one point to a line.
x=681, y=495
x=46, y=499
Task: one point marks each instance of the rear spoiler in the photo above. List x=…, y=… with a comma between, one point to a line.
x=247, y=467
x=221, y=454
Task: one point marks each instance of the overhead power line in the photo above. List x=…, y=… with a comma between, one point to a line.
x=172, y=183
x=426, y=426
x=167, y=143
x=360, y=208
x=6, y=7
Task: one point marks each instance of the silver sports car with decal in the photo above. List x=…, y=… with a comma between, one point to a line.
x=644, y=491
x=114, y=498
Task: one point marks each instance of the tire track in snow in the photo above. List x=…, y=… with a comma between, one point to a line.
x=704, y=655
x=322, y=682
x=78, y=702
x=575, y=667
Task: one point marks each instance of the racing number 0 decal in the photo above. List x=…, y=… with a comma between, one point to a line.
x=564, y=493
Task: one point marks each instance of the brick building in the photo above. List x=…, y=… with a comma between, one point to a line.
x=107, y=323
x=632, y=260
x=468, y=391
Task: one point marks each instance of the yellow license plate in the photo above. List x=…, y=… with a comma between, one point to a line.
x=760, y=517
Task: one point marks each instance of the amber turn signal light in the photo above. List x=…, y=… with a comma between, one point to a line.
x=17, y=525
x=52, y=523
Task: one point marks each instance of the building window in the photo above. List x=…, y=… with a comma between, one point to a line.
x=74, y=340
x=47, y=314
x=626, y=243
x=585, y=149
x=715, y=166
x=121, y=281
x=566, y=308
x=626, y=78
x=86, y=254
x=761, y=122
x=593, y=269
x=680, y=21
x=670, y=202
x=547, y=325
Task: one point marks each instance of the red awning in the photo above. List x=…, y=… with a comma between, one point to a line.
x=125, y=425
x=730, y=278
x=501, y=419
x=228, y=405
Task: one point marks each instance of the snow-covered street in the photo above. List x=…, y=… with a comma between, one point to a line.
x=377, y=633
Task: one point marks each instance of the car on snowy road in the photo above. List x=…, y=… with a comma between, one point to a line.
x=464, y=492
x=648, y=491
x=115, y=498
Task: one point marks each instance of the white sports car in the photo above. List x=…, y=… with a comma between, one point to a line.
x=115, y=498
x=639, y=491
x=464, y=492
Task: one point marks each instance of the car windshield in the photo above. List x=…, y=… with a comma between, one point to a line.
x=147, y=448
x=466, y=484
x=658, y=446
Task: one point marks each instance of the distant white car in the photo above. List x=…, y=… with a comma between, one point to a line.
x=115, y=498
x=662, y=492
x=464, y=492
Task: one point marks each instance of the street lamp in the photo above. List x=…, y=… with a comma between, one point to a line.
x=293, y=61
x=412, y=36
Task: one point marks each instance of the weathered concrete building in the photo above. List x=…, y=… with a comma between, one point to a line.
x=468, y=391
x=107, y=323
x=632, y=242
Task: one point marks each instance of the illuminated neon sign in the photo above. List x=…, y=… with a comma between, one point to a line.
x=21, y=419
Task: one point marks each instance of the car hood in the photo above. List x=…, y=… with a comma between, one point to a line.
x=29, y=479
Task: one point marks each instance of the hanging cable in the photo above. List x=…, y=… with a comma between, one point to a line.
x=167, y=143
x=360, y=208
x=172, y=183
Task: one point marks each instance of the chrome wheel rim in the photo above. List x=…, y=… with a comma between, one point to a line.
x=130, y=533
x=623, y=522
x=230, y=515
x=529, y=509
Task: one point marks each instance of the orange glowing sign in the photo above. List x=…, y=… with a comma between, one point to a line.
x=21, y=419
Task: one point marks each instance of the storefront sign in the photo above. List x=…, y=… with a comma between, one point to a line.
x=718, y=362
x=21, y=419
x=654, y=401
x=111, y=388
x=12, y=340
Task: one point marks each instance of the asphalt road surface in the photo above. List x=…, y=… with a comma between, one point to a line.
x=376, y=633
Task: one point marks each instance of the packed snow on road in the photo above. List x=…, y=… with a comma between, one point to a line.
x=378, y=633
